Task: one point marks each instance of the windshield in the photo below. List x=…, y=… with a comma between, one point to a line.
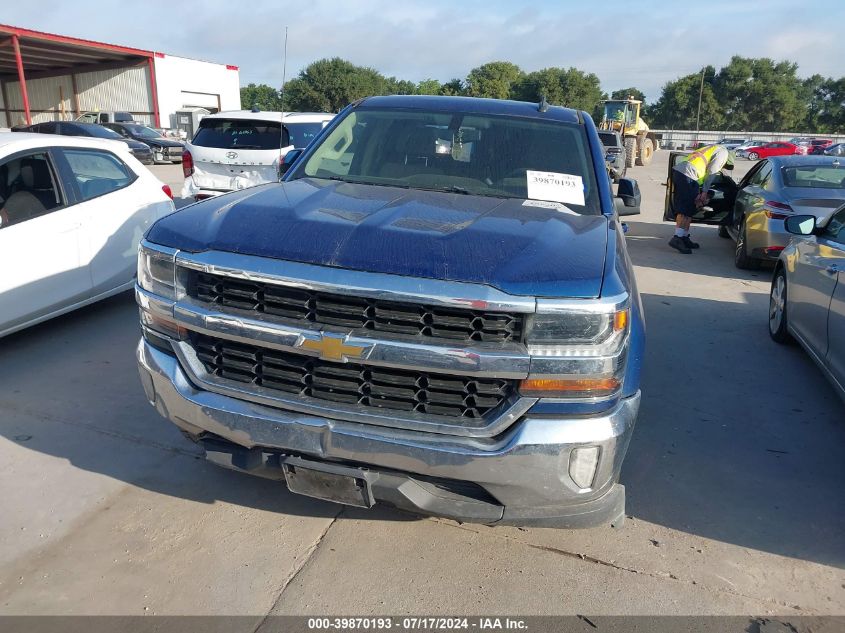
x=815, y=176
x=609, y=139
x=143, y=131
x=239, y=134
x=301, y=134
x=457, y=152
x=616, y=112
x=102, y=132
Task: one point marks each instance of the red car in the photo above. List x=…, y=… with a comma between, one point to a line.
x=819, y=145
x=778, y=148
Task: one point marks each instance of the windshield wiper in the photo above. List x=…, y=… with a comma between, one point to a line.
x=362, y=182
x=452, y=189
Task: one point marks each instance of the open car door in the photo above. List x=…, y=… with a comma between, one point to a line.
x=720, y=208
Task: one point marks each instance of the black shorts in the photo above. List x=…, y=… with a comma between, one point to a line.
x=684, y=192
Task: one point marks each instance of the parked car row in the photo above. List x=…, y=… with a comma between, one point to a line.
x=147, y=144
x=752, y=212
x=790, y=210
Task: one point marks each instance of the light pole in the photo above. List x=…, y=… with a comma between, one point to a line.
x=698, y=114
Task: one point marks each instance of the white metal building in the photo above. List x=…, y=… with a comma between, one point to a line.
x=45, y=77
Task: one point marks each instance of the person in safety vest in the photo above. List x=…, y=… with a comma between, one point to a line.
x=691, y=180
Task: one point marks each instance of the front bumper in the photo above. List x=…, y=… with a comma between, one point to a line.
x=523, y=474
x=143, y=157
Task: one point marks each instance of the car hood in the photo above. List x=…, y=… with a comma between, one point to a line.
x=160, y=142
x=509, y=244
x=136, y=144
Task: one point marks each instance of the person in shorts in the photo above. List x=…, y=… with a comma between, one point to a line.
x=691, y=180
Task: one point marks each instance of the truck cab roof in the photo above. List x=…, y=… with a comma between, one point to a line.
x=475, y=105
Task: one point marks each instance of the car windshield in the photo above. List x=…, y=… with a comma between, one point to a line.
x=143, y=131
x=815, y=176
x=301, y=134
x=457, y=152
x=609, y=139
x=101, y=132
x=240, y=134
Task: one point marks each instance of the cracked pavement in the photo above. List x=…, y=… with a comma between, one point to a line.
x=734, y=480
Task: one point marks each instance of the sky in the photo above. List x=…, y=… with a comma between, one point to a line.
x=640, y=43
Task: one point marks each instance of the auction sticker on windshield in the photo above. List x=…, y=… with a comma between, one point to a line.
x=548, y=185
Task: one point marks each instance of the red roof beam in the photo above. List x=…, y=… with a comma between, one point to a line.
x=73, y=41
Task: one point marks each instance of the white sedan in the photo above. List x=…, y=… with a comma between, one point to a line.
x=72, y=211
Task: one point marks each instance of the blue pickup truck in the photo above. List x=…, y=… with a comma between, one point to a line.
x=433, y=309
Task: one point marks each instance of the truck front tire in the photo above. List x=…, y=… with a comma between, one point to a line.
x=646, y=152
x=630, y=151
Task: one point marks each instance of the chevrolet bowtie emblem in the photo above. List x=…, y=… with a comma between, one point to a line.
x=333, y=347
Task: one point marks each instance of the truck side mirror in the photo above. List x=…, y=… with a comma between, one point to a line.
x=629, y=192
x=288, y=160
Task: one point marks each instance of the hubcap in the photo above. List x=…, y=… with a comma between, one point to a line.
x=776, y=304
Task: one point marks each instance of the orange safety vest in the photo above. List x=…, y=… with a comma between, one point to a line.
x=699, y=160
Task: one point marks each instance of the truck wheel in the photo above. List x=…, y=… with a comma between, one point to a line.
x=646, y=152
x=630, y=151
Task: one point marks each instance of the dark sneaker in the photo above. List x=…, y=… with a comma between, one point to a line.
x=689, y=242
x=679, y=244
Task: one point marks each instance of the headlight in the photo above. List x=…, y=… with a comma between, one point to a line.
x=578, y=350
x=157, y=271
x=157, y=275
x=576, y=327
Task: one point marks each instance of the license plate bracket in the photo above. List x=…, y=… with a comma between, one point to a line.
x=329, y=482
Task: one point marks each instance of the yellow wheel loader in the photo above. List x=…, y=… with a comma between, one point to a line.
x=623, y=116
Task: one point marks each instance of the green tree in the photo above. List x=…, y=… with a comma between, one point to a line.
x=493, y=80
x=624, y=93
x=328, y=85
x=678, y=103
x=453, y=88
x=429, y=87
x=760, y=94
x=825, y=99
x=262, y=96
x=568, y=87
x=396, y=86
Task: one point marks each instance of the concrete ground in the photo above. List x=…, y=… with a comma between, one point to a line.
x=735, y=482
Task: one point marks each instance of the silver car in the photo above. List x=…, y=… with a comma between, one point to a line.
x=775, y=189
x=808, y=292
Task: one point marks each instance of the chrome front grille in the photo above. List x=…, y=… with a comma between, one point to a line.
x=461, y=397
x=307, y=306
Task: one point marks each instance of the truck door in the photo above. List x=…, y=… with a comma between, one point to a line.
x=720, y=209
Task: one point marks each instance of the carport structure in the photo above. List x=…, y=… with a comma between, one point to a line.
x=40, y=70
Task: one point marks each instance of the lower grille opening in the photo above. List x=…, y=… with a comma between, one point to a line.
x=351, y=383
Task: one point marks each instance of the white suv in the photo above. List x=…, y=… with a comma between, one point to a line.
x=239, y=149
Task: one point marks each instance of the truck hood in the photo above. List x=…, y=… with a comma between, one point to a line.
x=504, y=243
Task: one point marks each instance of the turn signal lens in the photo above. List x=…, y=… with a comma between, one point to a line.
x=164, y=326
x=557, y=387
x=620, y=320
